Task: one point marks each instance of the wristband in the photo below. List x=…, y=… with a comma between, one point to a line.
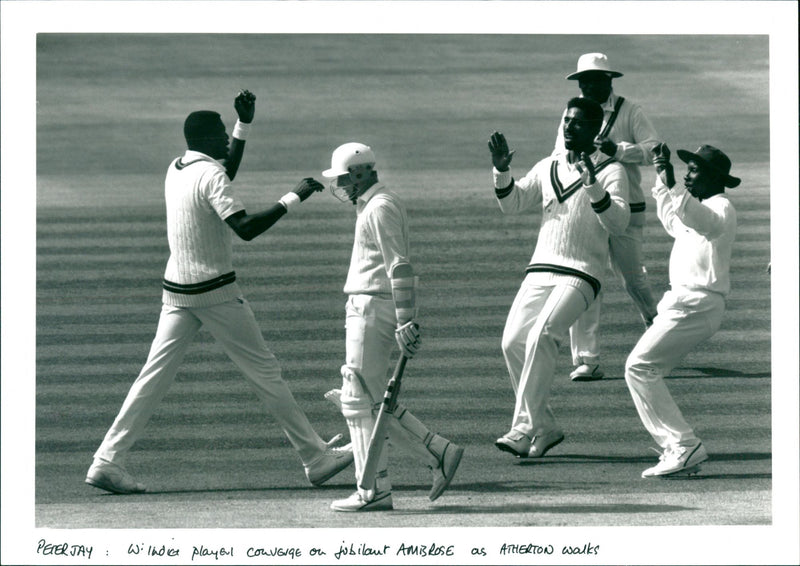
x=289, y=200
x=241, y=129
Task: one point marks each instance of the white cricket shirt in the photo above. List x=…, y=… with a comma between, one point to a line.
x=199, y=197
x=704, y=233
x=381, y=241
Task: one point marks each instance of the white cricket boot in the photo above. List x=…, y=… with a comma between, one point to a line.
x=440, y=454
x=378, y=499
x=112, y=477
x=332, y=461
x=678, y=460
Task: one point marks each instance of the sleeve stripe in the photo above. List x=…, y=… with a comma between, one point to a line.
x=503, y=193
x=603, y=204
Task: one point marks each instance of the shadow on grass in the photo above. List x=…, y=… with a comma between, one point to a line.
x=516, y=508
x=721, y=372
x=592, y=459
x=702, y=372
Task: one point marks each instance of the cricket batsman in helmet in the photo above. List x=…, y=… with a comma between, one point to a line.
x=380, y=312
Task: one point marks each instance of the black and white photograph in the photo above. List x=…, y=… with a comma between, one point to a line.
x=400, y=283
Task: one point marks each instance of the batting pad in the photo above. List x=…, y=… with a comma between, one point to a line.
x=357, y=410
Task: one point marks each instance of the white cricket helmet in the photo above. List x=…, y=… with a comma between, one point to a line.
x=349, y=155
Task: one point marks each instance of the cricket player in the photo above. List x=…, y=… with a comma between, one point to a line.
x=200, y=290
x=380, y=311
x=702, y=221
x=583, y=194
x=628, y=136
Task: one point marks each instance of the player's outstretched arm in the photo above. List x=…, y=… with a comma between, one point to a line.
x=245, y=105
x=249, y=226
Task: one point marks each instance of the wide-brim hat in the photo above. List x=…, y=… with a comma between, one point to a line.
x=714, y=159
x=597, y=62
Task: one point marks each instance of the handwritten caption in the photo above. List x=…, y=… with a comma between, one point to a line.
x=339, y=552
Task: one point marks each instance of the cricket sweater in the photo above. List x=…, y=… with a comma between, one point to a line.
x=199, y=196
x=576, y=221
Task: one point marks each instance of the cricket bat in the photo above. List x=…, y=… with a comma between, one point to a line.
x=378, y=438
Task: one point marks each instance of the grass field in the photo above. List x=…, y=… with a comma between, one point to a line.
x=108, y=122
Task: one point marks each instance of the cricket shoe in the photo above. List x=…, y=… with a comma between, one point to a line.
x=449, y=456
x=514, y=442
x=357, y=504
x=113, y=478
x=543, y=442
x=587, y=372
x=332, y=461
x=678, y=461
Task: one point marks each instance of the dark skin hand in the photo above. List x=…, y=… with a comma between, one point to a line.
x=248, y=226
x=245, y=106
x=586, y=167
x=606, y=146
x=663, y=167
x=501, y=156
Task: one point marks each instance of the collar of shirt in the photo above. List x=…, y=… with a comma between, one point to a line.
x=192, y=155
x=370, y=192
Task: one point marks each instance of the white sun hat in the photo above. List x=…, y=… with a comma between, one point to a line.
x=348, y=155
x=593, y=62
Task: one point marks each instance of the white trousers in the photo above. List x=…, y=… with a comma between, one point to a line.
x=234, y=327
x=626, y=261
x=369, y=327
x=536, y=326
x=685, y=318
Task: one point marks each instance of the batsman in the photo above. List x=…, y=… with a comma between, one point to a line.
x=380, y=311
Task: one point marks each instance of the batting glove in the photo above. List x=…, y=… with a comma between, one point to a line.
x=408, y=338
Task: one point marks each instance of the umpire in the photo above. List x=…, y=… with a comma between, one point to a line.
x=200, y=289
x=628, y=136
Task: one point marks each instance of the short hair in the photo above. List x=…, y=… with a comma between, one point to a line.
x=591, y=109
x=200, y=124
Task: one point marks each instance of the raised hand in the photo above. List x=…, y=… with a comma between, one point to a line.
x=586, y=168
x=662, y=164
x=245, y=106
x=501, y=156
x=306, y=187
x=661, y=154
